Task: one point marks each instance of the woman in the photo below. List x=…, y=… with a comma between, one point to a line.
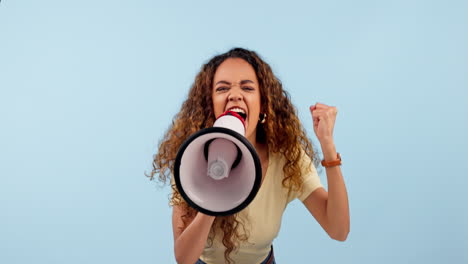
x=240, y=78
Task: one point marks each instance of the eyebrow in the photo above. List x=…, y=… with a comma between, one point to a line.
x=228, y=83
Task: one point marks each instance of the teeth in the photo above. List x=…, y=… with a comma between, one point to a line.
x=238, y=110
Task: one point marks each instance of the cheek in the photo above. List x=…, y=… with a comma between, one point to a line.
x=218, y=106
x=254, y=107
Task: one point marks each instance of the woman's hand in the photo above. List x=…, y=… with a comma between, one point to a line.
x=324, y=117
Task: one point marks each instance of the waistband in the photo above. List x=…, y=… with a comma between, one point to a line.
x=270, y=259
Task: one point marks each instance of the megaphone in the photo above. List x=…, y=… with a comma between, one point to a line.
x=217, y=171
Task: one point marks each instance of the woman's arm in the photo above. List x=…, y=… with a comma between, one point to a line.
x=190, y=242
x=330, y=208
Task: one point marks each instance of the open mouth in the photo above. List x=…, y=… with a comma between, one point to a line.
x=240, y=112
x=244, y=116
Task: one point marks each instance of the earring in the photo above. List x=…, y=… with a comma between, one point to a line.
x=262, y=118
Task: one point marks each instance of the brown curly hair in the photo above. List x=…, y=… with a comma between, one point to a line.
x=282, y=131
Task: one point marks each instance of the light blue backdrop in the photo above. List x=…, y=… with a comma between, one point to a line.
x=89, y=87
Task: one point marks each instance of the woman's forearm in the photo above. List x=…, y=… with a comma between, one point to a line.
x=337, y=205
x=190, y=244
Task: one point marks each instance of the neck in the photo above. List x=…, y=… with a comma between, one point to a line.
x=261, y=148
x=253, y=140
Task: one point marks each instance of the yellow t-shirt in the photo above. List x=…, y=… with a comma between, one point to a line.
x=264, y=214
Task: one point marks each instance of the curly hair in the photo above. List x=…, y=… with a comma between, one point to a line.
x=282, y=132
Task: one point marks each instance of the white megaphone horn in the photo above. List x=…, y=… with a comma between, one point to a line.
x=217, y=171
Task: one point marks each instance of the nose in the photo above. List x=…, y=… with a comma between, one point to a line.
x=235, y=97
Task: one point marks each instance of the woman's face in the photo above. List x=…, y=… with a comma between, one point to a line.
x=235, y=84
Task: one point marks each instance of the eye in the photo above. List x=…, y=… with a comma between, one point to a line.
x=222, y=88
x=248, y=88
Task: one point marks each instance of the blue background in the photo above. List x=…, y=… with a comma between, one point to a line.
x=89, y=87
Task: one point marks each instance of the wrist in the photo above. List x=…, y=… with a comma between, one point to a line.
x=326, y=141
x=329, y=151
x=206, y=217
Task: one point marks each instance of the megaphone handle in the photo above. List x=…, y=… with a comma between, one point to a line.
x=236, y=161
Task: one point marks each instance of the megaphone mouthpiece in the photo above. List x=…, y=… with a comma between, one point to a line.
x=231, y=120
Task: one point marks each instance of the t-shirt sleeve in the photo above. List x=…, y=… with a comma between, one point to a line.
x=310, y=177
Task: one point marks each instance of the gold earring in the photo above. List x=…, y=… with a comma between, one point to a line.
x=262, y=118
